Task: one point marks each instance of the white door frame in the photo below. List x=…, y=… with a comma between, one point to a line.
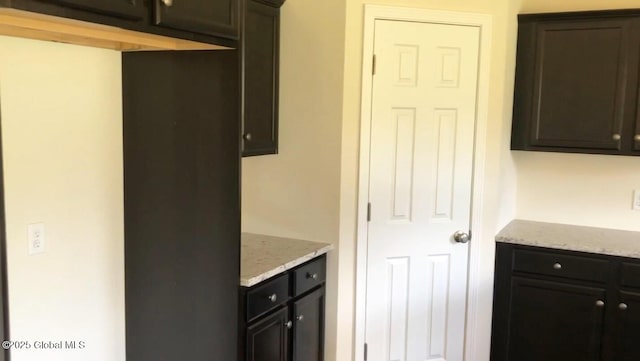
x=483, y=22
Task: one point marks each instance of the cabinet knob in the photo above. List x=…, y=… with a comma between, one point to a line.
x=167, y=3
x=600, y=303
x=273, y=298
x=637, y=138
x=557, y=266
x=300, y=318
x=313, y=276
x=616, y=137
x=623, y=306
x=247, y=137
x=289, y=324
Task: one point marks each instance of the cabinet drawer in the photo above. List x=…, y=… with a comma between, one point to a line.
x=267, y=297
x=560, y=265
x=309, y=276
x=630, y=275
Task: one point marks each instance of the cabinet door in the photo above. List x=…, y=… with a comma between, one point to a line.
x=573, y=84
x=260, y=58
x=554, y=322
x=132, y=9
x=308, y=328
x=210, y=17
x=267, y=340
x=628, y=316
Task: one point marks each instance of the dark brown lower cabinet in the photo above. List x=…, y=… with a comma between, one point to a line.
x=556, y=305
x=291, y=326
x=268, y=338
x=308, y=328
x=628, y=319
x=543, y=311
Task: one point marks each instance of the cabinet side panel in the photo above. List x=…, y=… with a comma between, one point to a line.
x=182, y=213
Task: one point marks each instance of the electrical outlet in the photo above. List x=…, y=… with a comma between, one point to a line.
x=636, y=200
x=36, y=238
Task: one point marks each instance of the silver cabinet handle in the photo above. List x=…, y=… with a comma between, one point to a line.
x=289, y=324
x=600, y=303
x=167, y=2
x=313, y=276
x=300, y=318
x=273, y=298
x=557, y=266
x=616, y=137
x=623, y=306
x=461, y=237
x=247, y=137
x=637, y=138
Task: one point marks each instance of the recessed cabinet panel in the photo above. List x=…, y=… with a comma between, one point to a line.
x=554, y=322
x=628, y=311
x=267, y=340
x=210, y=17
x=133, y=9
x=260, y=92
x=579, y=84
x=308, y=329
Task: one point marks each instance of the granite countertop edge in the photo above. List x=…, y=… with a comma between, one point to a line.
x=612, y=242
x=265, y=256
x=252, y=281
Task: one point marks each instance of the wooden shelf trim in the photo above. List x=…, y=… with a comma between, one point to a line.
x=24, y=24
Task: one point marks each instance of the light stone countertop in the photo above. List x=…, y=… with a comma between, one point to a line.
x=263, y=256
x=574, y=238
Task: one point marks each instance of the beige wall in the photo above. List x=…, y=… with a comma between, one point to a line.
x=296, y=193
x=62, y=135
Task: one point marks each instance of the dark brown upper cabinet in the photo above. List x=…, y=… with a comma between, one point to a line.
x=576, y=85
x=260, y=56
x=210, y=17
x=127, y=25
x=133, y=9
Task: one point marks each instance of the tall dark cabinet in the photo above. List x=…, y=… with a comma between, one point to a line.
x=182, y=208
x=260, y=46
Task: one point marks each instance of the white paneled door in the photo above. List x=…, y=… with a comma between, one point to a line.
x=422, y=141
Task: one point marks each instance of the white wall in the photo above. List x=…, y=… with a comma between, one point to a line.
x=62, y=137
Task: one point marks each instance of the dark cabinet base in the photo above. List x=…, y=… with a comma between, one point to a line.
x=292, y=328
x=556, y=305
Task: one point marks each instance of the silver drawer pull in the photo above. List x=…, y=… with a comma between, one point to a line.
x=167, y=2
x=313, y=276
x=289, y=324
x=300, y=318
x=557, y=266
x=600, y=303
x=637, y=138
x=616, y=137
x=623, y=306
x=273, y=298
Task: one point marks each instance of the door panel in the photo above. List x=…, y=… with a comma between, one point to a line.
x=422, y=134
x=554, y=321
x=580, y=104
